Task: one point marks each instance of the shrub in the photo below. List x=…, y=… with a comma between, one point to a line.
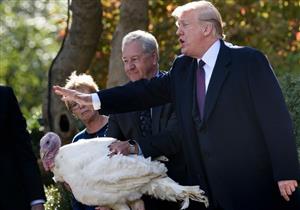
x=57, y=198
x=290, y=84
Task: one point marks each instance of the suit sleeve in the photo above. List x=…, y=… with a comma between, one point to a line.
x=27, y=162
x=273, y=118
x=135, y=96
x=113, y=129
x=167, y=142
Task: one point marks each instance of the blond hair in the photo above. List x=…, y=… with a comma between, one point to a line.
x=81, y=81
x=206, y=12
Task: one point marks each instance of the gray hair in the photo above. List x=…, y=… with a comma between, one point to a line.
x=147, y=40
x=206, y=12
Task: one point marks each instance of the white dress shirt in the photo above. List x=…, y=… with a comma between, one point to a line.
x=210, y=58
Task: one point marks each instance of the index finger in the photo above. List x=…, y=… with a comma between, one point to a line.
x=58, y=90
x=63, y=91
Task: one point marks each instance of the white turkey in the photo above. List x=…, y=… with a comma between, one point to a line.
x=116, y=182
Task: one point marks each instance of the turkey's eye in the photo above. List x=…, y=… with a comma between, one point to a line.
x=47, y=142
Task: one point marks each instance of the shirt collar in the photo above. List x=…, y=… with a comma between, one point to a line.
x=210, y=56
x=157, y=73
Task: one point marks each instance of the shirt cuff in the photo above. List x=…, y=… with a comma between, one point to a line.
x=35, y=202
x=96, y=101
x=140, y=150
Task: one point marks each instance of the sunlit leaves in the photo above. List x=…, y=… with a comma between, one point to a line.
x=268, y=25
x=28, y=33
x=101, y=60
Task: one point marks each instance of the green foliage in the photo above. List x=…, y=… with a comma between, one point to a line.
x=53, y=197
x=269, y=25
x=99, y=65
x=29, y=42
x=31, y=31
x=35, y=128
x=57, y=198
x=291, y=90
x=164, y=29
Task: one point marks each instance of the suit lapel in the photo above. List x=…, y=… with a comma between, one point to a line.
x=218, y=77
x=188, y=96
x=156, y=113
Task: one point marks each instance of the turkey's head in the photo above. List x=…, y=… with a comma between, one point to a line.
x=49, y=146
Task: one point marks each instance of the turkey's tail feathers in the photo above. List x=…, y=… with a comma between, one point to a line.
x=167, y=189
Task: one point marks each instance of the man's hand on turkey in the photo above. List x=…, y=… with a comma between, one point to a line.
x=119, y=147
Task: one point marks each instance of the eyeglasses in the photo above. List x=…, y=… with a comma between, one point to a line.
x=73, y=106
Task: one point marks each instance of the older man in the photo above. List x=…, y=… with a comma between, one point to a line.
x=151, y=132
x=238, y=135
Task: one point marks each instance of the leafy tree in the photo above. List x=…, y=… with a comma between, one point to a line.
x=291, y=90
x=76, y=53
x=269, y=25
x=129, y=10
x=30, y=32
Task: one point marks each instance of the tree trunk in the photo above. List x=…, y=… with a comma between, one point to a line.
x=133, y=16
x=76, y=54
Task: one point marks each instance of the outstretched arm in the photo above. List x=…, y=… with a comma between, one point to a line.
x=133, y=96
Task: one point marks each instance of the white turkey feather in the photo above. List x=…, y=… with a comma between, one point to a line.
x=100, y=180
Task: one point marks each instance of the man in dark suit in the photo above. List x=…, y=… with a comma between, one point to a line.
x=21, y=185
x=238, y=136
x=140, y=57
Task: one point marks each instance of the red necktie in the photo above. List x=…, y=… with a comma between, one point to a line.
x=200, y=76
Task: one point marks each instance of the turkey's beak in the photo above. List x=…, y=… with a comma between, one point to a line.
x=43, y=154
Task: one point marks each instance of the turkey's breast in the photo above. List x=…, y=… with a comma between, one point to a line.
x=96, y=179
